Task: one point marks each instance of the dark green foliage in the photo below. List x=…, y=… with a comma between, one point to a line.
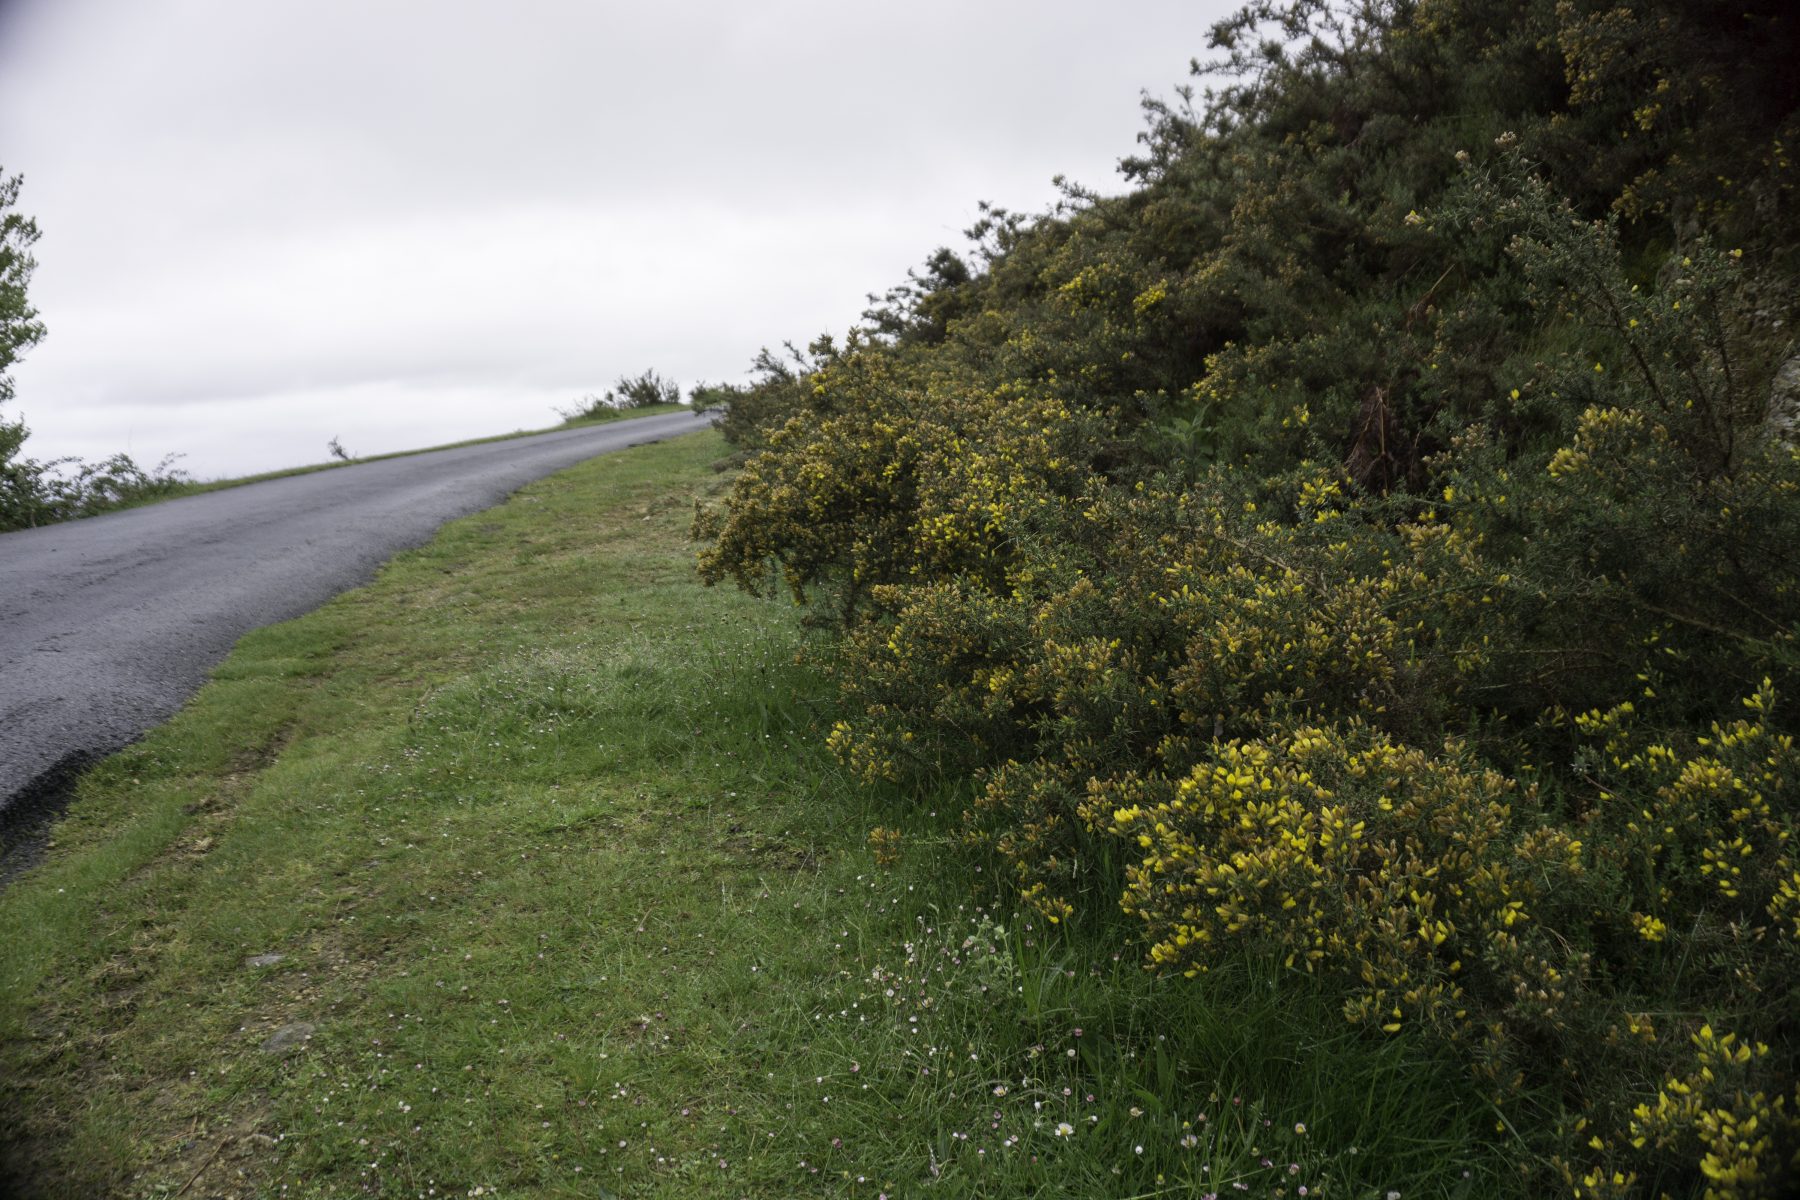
x=19, y=331
x=921, y=308
x=1414, y=408
x=19, y=327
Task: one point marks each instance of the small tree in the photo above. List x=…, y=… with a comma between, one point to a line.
x=19, y=331
x=19, y=327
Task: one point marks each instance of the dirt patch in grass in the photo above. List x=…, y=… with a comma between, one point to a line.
x=771, y=852
x=27, y=824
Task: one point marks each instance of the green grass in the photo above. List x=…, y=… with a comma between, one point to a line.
x=576, y=905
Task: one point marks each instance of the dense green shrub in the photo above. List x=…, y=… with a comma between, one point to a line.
x=1358, y=543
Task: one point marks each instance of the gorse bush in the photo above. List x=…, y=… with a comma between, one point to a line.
x=1369, y=544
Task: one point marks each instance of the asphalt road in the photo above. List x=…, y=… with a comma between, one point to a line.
x=109, y=624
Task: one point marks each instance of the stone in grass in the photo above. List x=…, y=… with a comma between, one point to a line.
x=288, y=1038
x=263, y=960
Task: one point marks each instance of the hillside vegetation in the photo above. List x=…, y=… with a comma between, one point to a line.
x=525, y=872
x=1367, y=546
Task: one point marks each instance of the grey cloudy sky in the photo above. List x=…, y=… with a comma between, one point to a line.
x=269, y=222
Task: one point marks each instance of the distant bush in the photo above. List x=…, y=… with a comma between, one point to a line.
x=643, y=391
x=627, y=392
x=42, y=493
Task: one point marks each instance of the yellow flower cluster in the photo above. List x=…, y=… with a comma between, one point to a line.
x=1441, y=894
x=930, y=480
x=885, y=844
x=1601, y=434
x=1705, y=829
x=1715, y=1115
x=1341, y=850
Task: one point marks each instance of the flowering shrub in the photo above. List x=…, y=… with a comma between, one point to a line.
x=1232, y=713
x=1716, y=1112
x=1445, y=895
x=1342, y=547
x=901, y=485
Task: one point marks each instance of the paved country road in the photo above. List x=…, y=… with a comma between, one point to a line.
x=108, y=625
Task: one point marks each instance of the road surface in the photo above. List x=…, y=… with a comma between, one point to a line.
x=109, y=624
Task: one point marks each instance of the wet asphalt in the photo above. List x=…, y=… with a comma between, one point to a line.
x=108, y=625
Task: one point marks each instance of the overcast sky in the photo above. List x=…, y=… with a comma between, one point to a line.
x=270, y=222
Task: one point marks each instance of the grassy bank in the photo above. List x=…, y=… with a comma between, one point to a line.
x=523, y=872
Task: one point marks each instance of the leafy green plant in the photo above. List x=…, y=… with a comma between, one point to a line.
x=19, y=331
x=1270, y=545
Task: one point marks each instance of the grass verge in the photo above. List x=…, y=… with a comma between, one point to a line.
x=521, y=872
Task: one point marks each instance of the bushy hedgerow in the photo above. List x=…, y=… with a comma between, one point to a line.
x=33, y=492
x=1370, y=543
